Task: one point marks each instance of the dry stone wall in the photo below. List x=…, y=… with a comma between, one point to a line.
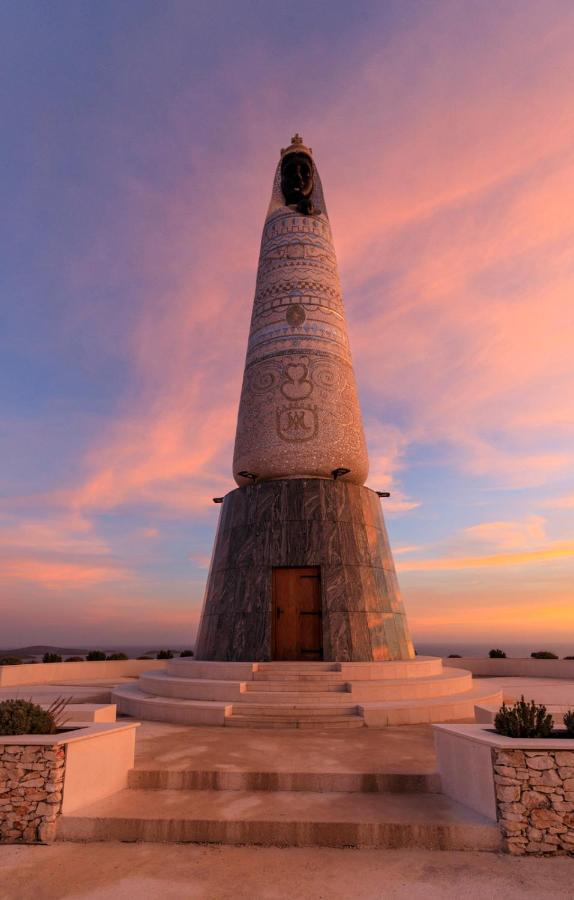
x=535, y=800
x=31, y=783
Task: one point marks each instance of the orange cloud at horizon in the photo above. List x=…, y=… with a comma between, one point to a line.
x=447, y=157
x=560, y=551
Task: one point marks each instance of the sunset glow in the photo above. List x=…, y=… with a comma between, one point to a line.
x=138, y=167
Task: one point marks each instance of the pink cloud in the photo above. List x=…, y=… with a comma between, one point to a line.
x=54, y=574
x=509, y=535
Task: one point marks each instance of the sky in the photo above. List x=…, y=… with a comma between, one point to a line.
x=139, y=141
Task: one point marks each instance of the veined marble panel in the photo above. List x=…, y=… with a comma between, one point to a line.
x=335, y=525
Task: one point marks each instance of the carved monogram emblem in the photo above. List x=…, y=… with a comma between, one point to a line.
x=295, y=424
x=295, y=383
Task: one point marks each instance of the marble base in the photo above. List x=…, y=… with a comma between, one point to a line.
x=336, y=525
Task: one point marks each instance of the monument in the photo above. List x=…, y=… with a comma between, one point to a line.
x=302, y=568
x=302, y=624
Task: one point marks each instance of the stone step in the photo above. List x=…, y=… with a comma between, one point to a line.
x=297, y=710
x=420, y=666
x=161, y=684
x=296, y=698
x=326, y=677
x=132, y=701
x=236, y=780
x=256, y=687
x=279, y=720
x=373, y=713
x=454, y=681
x=449, y=708
x=295, y=819
x=298, y=666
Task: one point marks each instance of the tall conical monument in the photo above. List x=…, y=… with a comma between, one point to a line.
x=302, y=568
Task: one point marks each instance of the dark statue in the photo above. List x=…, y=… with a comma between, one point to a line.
x=297, y=182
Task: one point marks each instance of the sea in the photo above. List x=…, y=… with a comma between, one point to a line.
x=423, y=648
x=480, y=649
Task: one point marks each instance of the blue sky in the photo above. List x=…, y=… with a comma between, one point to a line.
x=139, y=145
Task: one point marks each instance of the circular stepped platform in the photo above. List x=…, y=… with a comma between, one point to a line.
x=304, y=695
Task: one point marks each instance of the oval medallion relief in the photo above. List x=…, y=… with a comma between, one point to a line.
x=295, y=315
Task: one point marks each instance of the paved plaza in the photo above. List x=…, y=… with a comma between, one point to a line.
x=112, y=871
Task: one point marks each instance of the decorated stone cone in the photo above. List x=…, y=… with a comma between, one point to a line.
x=302, y=568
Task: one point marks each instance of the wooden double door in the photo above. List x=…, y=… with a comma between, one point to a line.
x=297, y=614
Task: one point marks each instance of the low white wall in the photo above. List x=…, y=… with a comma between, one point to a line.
x=55, y=673
x=514, y=668
x=97, y=766
x=465, y=769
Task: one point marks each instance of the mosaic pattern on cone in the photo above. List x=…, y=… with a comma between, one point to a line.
x=299, y=412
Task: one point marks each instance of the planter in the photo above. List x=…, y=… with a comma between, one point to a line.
x=526, y=784
x=43, y=775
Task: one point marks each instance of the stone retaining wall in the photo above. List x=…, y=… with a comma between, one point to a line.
x=31, y=783
x=535, y=800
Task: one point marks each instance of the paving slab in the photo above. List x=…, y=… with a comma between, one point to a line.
x=113, y=871
x=407, y=749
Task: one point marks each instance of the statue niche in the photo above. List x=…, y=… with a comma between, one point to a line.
x=298, y=182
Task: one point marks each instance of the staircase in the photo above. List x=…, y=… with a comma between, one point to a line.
x=320, y=695
x=299, y=795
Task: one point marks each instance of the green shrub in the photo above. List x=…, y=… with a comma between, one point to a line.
x=454, y=656
x=96, y=656
x=10, y=661
x=51, y=657
x=569, y=721
x=523, y=720
x=145, y=657
x=186, y=653
x=114, y=656
x=164, y=654
x=74, y=659
x=569, y=657
x=25, y=717
x=543, y=654
x=497, y=654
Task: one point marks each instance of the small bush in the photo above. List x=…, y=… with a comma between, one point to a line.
x=145, y=657
x=569, y=721
x=497, y=654
x=51, y=657
x=74, y=659
x=523, y=720
x=543, y=654
x=454, y=656
x=114, y=656
x=164, y=654
x=569, y=657
x=25, y=717
x=96, y=656
x=10, y=661
x=186, y=653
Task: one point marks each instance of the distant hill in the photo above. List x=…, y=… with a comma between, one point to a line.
x=40, y=649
